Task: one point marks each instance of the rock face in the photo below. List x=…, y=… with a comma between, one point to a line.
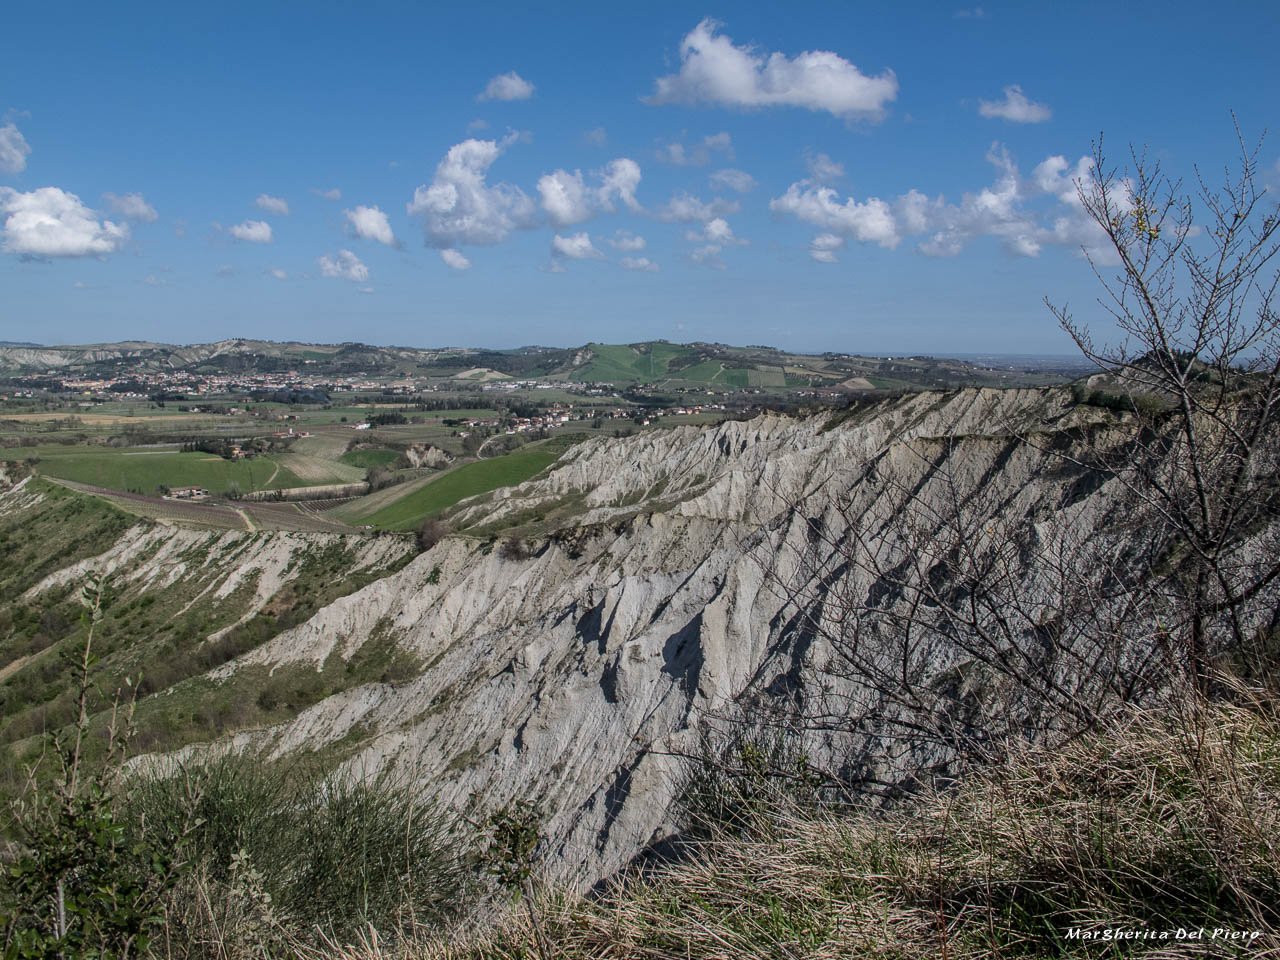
x=425, y=455
x=578, y=673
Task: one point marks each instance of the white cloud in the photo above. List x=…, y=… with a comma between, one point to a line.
x=1023, y=215
x=507, y=86
x=132, y=206
x=686, y=208
x=994, y=211
x=822, y=169
x=276, y=205
x=627, y=242
x=638, y=263
x=568, y=200
x=346, y=266
x=564, y=197
x=278, y=273
x=737, y=180
x=597, y=137
x=699, y=154
x=459, y=207
x=869, y=221
x=1015, y=107
x=620, y=178
x=14, y=149
x=708, y=256
x=454, y=259
x=252, y=231
x=717, y=231
x=333, y=193
x=577, y=246
x=366, y=290
x=970, y=13
x=151, y=280
x=823, y=247
x=49, y=222
x=370, y=223
x=713, y=70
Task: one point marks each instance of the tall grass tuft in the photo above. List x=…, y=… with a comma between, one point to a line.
x=281, y=855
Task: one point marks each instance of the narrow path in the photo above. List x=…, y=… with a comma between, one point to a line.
x=248, y=522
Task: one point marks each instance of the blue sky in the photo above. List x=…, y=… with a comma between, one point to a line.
x=809, y=175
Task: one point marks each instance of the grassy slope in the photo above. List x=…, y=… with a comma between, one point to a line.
x=370, y=458
x=158, y=634
x=624, y=363
x=1166, y=822
x=143, y=470
x=462, y=482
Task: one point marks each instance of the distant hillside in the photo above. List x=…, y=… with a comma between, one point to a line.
x=655, y=362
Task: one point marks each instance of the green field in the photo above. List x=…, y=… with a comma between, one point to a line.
x=368, y=459
x=143, y=470
x=624, y=363
x=460, y=483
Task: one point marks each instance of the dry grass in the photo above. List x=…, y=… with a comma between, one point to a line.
x=1169, y=821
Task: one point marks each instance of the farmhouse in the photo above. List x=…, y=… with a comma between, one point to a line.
x=188, y=493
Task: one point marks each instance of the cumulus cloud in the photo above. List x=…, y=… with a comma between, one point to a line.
x=1023, y=214
x=736, y=180
x=14, y=149
x=507, y=86
x=1015, y=107
x=132, y=206
x=345, y=266
x=638, y=263
x=686, y=208
x=276, y=205
x=627, y=241
x=49, y=222
x=278, y=273
x=716, y=231
x=823, y=247
x=460, y=207
x=251, y=231
x=698, y=155
x=577, y=246
x=564, y=197
x=996, y=211
x=822, y=169
x=868, y=221
x=370, y=223
x=568, y=199
x=619, y=180
x=454, y=259
x=714, y=70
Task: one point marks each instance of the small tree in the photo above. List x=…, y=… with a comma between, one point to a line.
x=82, y=886
x=431, y=532
x=962, y=607
x=1193, y=296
